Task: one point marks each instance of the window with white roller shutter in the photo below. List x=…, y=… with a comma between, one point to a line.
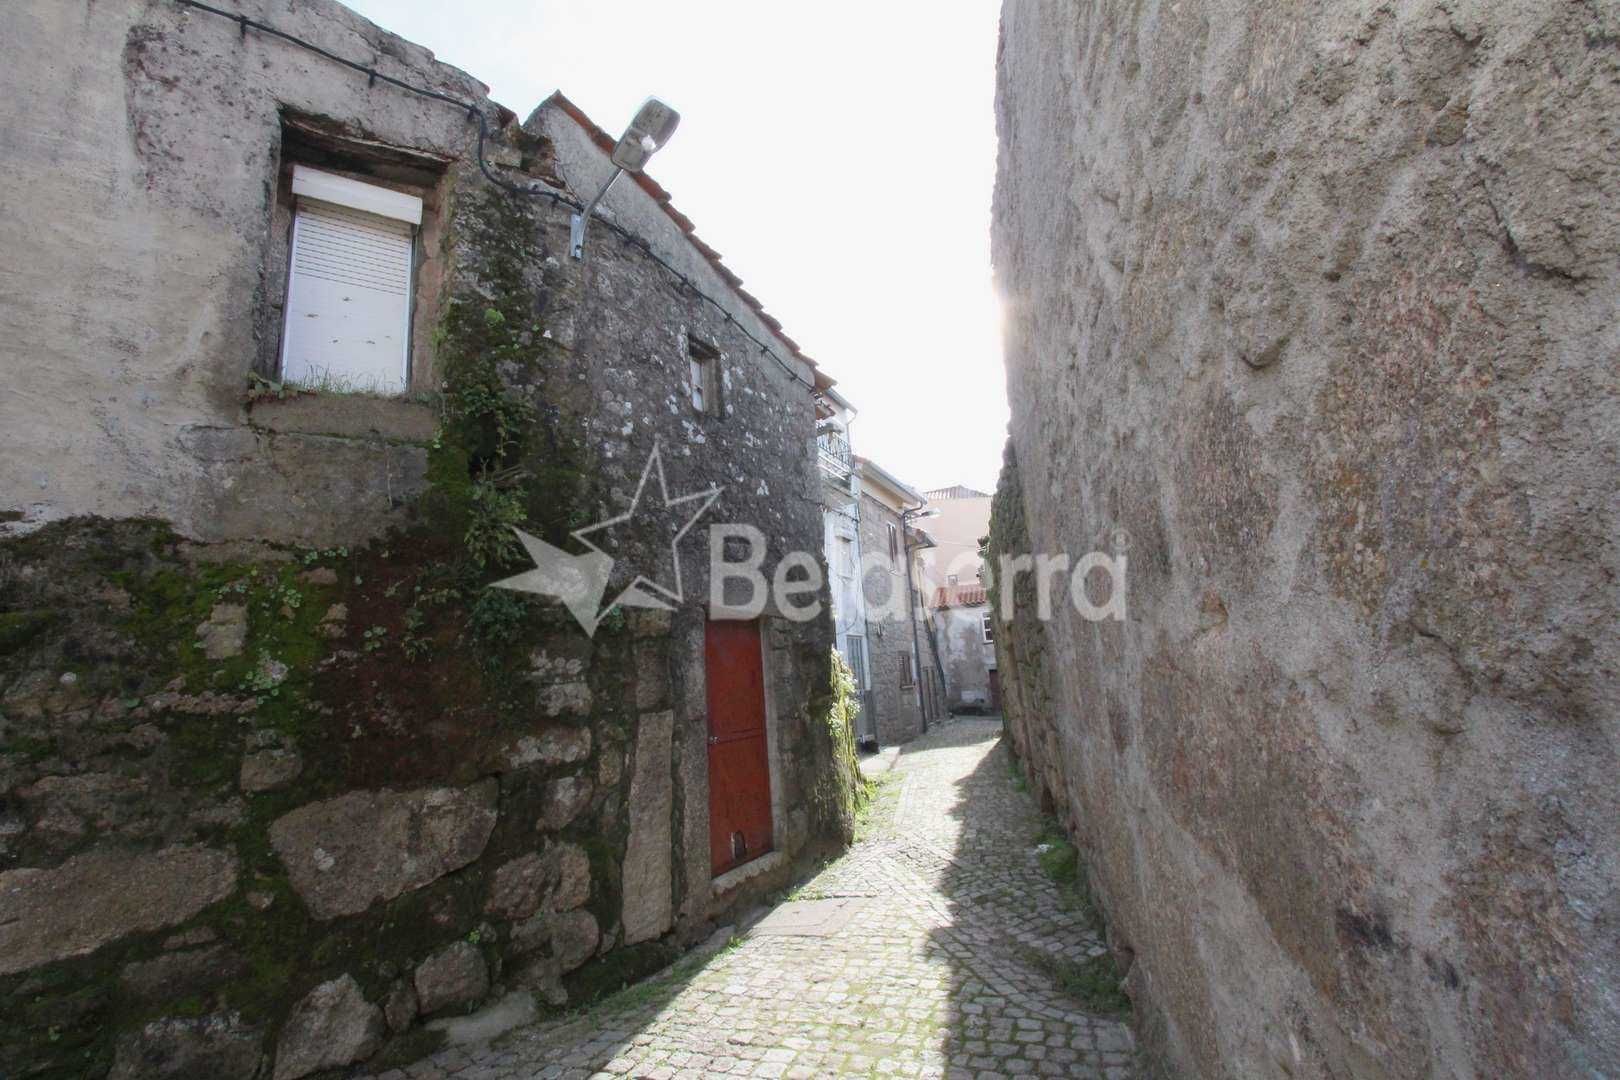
x=349, y=285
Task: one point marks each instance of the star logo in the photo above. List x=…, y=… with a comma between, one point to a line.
x=581, y=581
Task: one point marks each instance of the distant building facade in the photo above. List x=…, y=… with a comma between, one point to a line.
x=877, y=608
x=892, y=605
x=965, y=634
x=952, y=578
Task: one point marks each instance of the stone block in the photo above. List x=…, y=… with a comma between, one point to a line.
x=574, y=938
x=181, y=974
x=564, y=699
x=189, y=1048
x=559, y=664
x=345, y=853
x=400, y=1006
x=558, y=744
x=269, y=770
x=646, y=875
x=332, y=1026
x=652, y=675
x=454, y=976
x=225, y=633
x=99, y=897
x=563, y=800
x=568, y=939
x=556, y=879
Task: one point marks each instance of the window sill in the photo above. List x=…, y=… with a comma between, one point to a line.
x=348, y=416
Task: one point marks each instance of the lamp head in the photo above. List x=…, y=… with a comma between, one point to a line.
x=649, y=130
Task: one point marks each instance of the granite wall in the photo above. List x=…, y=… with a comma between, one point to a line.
x=1310, y=312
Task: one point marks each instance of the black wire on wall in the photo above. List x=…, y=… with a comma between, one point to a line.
x=535, y=191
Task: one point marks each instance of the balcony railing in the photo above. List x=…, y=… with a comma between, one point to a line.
x=832, y=451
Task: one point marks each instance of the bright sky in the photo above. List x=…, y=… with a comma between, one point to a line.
x=839, y=155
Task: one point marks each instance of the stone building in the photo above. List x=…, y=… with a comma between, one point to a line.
x=283, y=782
x=951, y=573
x=965, y=635
x=892, y=604
x=1310, y=317
x=841, y=540
x=874, y=603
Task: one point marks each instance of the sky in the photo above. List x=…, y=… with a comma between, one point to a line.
x=839, y=155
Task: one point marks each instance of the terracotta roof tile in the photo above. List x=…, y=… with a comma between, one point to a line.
x=948, y=596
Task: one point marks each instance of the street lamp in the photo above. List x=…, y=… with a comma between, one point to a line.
x=906, y=518
x=654, y=123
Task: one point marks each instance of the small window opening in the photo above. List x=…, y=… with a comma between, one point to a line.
x=349, y=285
x=989, y=629
x=704, y=363
x=352, y=224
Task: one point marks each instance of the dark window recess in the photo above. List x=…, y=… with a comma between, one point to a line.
x=703, y=361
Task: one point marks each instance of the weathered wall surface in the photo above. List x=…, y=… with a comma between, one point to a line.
x=965, y=655
x=266, y=804
x=137, y=238
x=1314, y=304
x=888, y=629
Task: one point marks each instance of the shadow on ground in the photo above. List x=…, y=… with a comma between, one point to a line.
x=956, y=954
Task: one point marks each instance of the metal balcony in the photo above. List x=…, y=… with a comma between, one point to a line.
x=833, y=454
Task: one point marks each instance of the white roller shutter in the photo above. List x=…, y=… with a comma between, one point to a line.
x=348, y=296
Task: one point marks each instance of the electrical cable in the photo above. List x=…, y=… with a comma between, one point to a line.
x=535, y=191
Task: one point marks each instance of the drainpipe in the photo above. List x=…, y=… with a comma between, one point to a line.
x=911, y=610
x=932, y=633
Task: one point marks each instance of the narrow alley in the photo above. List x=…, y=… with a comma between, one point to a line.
x=626, y=539
x=929, y=949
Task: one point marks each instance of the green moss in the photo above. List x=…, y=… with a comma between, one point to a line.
x=1093, y=982
x=1060, y=861
x=19, y=628
x=841, y=790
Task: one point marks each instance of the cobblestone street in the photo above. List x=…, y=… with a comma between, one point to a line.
x=939, y=970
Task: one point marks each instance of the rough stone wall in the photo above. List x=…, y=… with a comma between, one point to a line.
x=264, y=804
x=1030, y=712
x=888, y=630
x=1312, y=306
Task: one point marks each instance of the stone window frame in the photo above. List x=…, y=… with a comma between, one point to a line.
x=338, y=148
x=703, y=375
x=987, y=628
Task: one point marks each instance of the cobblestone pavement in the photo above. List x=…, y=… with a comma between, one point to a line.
x=937, y=974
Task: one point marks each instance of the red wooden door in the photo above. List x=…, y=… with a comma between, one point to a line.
x=739, y=770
